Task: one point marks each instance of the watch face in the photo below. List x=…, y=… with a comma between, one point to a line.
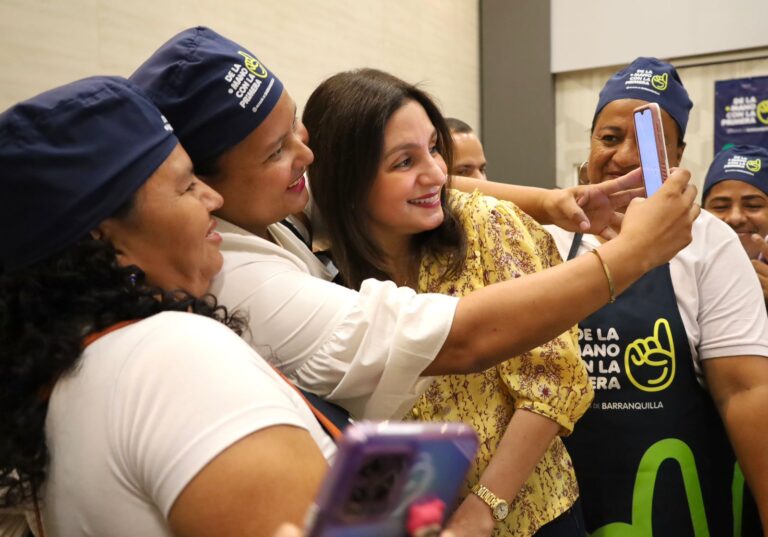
x=501, y=511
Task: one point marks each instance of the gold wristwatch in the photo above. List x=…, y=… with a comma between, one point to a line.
x=499, y=507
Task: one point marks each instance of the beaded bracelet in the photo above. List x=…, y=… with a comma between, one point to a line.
x=611, y=288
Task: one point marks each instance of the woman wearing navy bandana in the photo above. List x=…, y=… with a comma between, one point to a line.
x=736, y=191
x=123, y=413
x=679, y=361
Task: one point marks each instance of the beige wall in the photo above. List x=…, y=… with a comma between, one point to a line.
x=582, y=38
x=576, y=96
x=44, y=43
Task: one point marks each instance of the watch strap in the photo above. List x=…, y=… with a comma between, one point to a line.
x=499, y=507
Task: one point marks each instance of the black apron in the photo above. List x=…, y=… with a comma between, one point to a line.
x=652, y=456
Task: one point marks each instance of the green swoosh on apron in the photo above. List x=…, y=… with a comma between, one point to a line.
x=645, y=482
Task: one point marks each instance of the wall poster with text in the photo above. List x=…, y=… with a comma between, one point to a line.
x=741, y=112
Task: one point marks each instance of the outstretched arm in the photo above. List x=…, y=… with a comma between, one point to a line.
x=375, y=376
x=498, y=321
x=586, y=208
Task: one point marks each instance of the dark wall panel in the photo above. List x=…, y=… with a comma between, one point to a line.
x=517, y=91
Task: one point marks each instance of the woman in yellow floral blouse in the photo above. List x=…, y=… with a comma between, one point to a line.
x=398, y=142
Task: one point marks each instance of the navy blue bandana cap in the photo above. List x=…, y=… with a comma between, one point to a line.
x=651, y=80
x=70, y=157
x=745, y=163
x=213, y=91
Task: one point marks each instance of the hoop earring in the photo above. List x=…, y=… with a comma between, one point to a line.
x=581, y=173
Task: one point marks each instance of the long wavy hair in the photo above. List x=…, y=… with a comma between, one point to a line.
x=45, y=311
x=346, y=116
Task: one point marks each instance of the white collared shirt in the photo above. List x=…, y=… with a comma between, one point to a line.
x=362, y=350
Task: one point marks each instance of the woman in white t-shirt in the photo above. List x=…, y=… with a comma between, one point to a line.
x=679, y=361
x=123, y=413
x=686, y=377
x=369, y=350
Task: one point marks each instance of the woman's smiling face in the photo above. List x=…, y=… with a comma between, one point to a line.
x=262, y=178
x=405, y=197
x=741, y=206
x=169, y=231
x=613, y=149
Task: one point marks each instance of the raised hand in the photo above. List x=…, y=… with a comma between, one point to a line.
x=595, y=209
x=655, y=229
x=471, y=519
x=761, y=263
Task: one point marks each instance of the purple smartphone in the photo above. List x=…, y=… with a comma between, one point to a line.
x=649, y=134
x=382, y=468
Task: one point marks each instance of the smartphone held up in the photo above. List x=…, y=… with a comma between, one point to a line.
x=649, y=135
x=393, y=479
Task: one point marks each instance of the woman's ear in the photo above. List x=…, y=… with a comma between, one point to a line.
x=104, y=231
x=108, y=230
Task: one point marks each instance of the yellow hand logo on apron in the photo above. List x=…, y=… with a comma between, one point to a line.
x=650, y=362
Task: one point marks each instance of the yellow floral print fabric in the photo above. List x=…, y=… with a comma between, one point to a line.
x=504, y=243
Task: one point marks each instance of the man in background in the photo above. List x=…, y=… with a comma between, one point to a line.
x=468, y=155
x=736, y=191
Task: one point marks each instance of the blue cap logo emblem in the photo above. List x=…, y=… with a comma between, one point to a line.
x=253, y=65
x=754, y=165
x=660, y=82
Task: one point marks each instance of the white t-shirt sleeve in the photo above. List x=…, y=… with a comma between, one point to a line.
x=165, y=432
x=731, y=313
x=363, y=350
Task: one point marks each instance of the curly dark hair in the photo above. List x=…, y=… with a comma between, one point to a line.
x=45, y=311
x=346, y=116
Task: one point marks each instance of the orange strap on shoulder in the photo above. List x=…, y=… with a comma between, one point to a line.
x=93, y=336
x=322, y=418
x=90, y=338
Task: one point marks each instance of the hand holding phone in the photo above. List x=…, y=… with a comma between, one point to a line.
x=382, y=469
x=760, y=256
x=649, y=134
